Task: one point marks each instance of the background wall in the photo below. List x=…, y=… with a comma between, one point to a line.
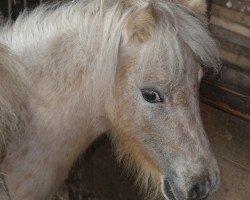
x=230, y=90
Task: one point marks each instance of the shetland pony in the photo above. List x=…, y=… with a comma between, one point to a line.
x=70, y=72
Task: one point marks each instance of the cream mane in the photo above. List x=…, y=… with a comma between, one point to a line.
x=99, y=27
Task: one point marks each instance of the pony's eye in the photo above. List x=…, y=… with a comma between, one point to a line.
x=151, y=96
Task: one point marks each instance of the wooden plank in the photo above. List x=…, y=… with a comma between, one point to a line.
x=235, y=59
x=231, y=15
x=226, y=99
x=234, y=48
x=231, y=77
x=235, y=80
x=238, y=5
x=209, y=7
x=229, y=36
x=231, y=26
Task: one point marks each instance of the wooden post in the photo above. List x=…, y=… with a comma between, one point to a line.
x=209, y=6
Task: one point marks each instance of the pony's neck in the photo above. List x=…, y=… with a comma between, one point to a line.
x=67, y=110
x=57, y=44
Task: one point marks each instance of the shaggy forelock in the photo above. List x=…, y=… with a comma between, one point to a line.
x=177, y=28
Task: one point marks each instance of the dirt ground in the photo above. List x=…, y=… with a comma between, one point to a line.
x=100, y=178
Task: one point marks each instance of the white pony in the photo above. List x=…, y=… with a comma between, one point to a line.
x=70, y=72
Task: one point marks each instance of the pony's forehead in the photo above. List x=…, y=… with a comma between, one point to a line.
x=166, y=66
x=177, y=31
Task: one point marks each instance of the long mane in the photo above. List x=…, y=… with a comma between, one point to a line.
x=99, y=26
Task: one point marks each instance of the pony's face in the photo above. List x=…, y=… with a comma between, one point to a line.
x=156, y=120
x=160, y=124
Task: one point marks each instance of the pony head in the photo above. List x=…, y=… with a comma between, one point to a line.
x=153, y=109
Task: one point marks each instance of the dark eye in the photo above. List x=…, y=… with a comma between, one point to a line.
x=151, y=96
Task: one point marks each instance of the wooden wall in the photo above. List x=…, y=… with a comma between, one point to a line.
x=230, y=90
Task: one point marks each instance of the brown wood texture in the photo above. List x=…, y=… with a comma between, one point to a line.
x=231, y=15
x=230, y=25
x=242, y=6
x=225, y=99
x=222, y=34
x=231, y=77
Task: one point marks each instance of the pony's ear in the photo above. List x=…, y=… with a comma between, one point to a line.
x=141, y=25
x=197, y=6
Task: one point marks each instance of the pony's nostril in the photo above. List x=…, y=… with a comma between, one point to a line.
x=199, y=191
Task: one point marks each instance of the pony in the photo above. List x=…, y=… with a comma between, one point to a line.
x=75, y=70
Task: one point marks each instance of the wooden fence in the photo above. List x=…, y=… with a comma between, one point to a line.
x=230, y=90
